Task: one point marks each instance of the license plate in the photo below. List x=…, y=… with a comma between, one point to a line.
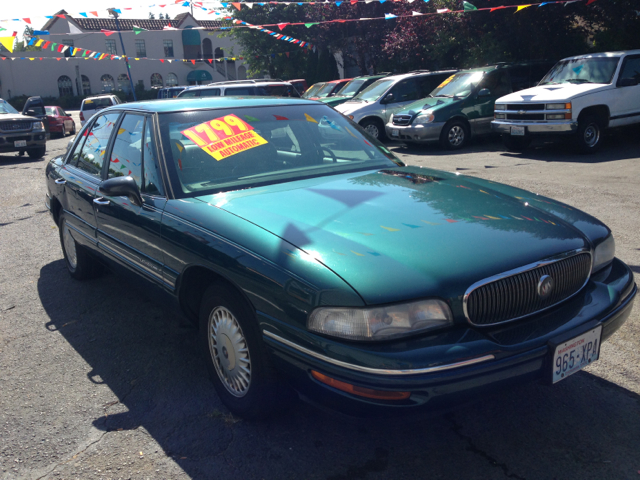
x=395, y=132
x=20, y=143
x=519, y=131
x=575, y=354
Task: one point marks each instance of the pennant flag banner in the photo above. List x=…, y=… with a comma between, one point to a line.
x=7, y=42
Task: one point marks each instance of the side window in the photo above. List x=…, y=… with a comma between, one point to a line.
x=91, y=156
x=152, y=179
x=631, y=69
x=126, y=155
x=497, y=83
x=405, y=90
x=426, y=86
x=73, y=158
x=210, y=92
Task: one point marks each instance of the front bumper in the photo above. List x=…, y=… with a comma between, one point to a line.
x=488, y=359
x=536, y=128
x=33, y=140
x=426, y=133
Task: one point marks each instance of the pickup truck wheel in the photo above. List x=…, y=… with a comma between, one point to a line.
x=455, y=135
x=516, y=144
x=37, y=152
x=237, y=360
x=589, y=136
x=80, y=264
x=374, y=128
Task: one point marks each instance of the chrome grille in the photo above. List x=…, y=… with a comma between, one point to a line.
x=525, y=106
x=15, y=126
x=516, y=296
x=525, y=116
x=401, y=119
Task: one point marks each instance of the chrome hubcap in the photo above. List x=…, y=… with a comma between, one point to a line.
x=372, y=130
x=456, y=135
x=69, y=246
x=229, y=352
x=591, y=135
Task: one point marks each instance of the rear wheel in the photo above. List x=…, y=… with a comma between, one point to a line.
x=37, y=152
x=236, y=357
x=374, y=127
x=516, y=144
x=589, y=136
x=455, y=135
x=73, y=129
x=80, y=264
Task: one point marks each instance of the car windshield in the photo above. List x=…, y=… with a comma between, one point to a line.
x=50, y=111
x=582, y=70
x=312, y=90
x=325, y=90
x=218, y=150
x=458, y=85
x=350, y=89
x=374, y=91
x=6, y=107
x=92, y=103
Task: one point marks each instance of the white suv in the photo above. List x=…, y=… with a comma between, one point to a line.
x=267, y=88
x=91, y=105
x=580, y=96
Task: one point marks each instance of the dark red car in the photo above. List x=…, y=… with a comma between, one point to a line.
x=60, y=122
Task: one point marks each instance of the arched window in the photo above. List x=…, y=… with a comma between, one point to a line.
x=219, y=53
x=207, y=49
x=123, y=83
x=86, y=85
x=172, y=80
x=65, y=87
x=242, y=73
x=156, y=80
x=108, y=85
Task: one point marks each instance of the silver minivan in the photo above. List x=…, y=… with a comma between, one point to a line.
x=373, y=106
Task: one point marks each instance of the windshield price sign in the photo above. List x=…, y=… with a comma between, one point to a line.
x=224, y=136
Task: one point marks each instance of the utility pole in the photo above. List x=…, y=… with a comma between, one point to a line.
x=191, y=3
x=113, y=12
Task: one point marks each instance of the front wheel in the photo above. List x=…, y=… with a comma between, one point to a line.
x=237, y=361
x=589, y=136
x=516, y=144
x=374, y=128
x=37, y=152
x=73, y=129
x=455, y=135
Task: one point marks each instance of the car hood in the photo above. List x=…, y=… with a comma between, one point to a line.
x=402, y=233
x=351, y=106
x=335, y=99
x=552, y=93
x=429, y=103
x=16, y=117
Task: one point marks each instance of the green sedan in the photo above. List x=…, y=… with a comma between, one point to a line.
x=315, y=262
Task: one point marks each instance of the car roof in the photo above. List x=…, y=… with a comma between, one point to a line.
x=203, y=103
x=340, y=80
x=605, y=54
x=233, y=85
x=401, y=76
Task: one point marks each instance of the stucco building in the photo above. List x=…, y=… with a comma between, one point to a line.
x=194, y=40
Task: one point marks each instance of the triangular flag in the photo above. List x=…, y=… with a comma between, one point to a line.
x=7, y=42
x=108, y=32
x=162, y=60
x=39, y=42
x=521, y=7
x=237, y=5
x=287, y=54
x=249, y=5
x=310, y=118
x=95, y=14
x=496, y=8
x=282, y=25
x=389, y=16
x=416, y=13
x=72, y=27
x=469, y=7
x=590, y=2
x=138, y=30
x=193, y=61
x=28, y=20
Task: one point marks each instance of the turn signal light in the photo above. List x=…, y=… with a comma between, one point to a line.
x=360, y=391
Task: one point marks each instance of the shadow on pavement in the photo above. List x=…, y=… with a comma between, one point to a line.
x=9, y=159
x=135, y=343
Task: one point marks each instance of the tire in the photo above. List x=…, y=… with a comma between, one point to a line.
x=455, y=135
x=375, y=128
x=237, y=360
x=588, y=138
x=37, y=152
x=80, y=264
x=516, y=144
x=73, y=130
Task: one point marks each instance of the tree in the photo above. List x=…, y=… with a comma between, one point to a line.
x=22, y=46
x=166, y=16
x=161, y=16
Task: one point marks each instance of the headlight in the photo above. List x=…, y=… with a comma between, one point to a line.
x=38, y=127
x=424, y=118
x=555, y=116
x=501, y=116
x=604, y=254
x=500, y=107
x=558, y=106
x=381, y=323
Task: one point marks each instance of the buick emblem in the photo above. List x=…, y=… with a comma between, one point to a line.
x=545, y=286
x=521, y=112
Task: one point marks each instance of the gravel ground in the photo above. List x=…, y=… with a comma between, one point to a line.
x=101, y=379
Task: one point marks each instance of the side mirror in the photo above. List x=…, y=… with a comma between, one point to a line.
x=390, y=98
x=628, y=82
x=485, y=92
x=122, y=187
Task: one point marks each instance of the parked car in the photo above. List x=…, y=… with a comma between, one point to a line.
x=312, y=90
x=580, y=96
x=373, y=106
x=462, y=105
x=366, y=285
x=170, y=92
x=60, y=122
x=91, y=105
x=273, y=88
x=329, y=89
x=23, y=132
x=300, y=84
x=350, y=89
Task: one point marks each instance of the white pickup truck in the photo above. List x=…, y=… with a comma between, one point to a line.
x=580, y=96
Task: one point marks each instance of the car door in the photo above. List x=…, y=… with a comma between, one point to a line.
x=81, y=176
x=402, y=93
x=625, y=107
x=128, y=231
x=481, y=114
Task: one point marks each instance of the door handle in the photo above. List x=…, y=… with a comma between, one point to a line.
x=60, y=181
x=101, y=201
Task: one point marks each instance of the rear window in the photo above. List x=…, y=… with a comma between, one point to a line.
x=93, y=103
x=281, y=91
x=240, y=91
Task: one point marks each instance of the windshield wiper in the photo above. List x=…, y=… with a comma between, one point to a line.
x=448, y=96
x=578, y=80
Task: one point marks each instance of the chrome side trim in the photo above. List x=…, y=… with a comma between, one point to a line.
x=516, y=271
x=377, y=371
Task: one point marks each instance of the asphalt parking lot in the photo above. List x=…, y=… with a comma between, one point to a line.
x=102, y=379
